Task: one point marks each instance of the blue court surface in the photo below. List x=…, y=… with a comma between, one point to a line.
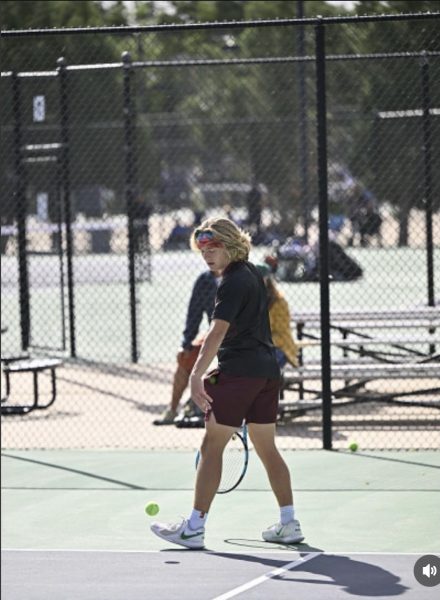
x=74, y=527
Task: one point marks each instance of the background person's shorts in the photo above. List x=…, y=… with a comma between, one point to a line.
x=253, y=399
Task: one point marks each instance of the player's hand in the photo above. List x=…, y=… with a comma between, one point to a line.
x=198, y=393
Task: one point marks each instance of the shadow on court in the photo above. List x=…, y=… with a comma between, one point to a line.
x=352, y=575
x=207, y=576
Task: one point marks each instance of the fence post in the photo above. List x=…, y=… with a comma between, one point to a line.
x=303, y=139
x=323, y=235
x=427, y=179
x=21, y=210
x=130, y=185
x=65, y=185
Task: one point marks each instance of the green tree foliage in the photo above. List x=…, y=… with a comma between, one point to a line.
x=396, y=85
x=43, y=52
x=236, y=121
x=95, y=98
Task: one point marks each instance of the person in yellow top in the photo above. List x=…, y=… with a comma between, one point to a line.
x=287, y=348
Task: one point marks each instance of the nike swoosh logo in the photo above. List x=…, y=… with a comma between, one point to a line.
x=188, y=537
x=279, y=531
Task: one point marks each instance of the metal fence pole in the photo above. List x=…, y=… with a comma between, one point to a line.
x=21, y=210
x=303, y=136
x=427, y=183
x=427, y=179
x=323, y=235
x=65, y=184
x=59, y=197
x=130, y=185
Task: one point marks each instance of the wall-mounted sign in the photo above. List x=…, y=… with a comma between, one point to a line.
x=39, y=108
x=42, y=206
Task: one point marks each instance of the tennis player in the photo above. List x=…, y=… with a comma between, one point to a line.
x=244, y=387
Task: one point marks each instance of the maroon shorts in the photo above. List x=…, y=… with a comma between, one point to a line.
x=252, y=399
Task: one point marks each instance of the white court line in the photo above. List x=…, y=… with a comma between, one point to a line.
x=270, y=575
x=183, y=551
x=214, y=552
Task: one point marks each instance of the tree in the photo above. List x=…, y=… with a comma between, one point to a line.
x=392, y=85
x=234, y=121
x=95, y=147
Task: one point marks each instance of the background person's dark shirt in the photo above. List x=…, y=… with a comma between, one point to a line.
x=201, y=303
x=247, y=349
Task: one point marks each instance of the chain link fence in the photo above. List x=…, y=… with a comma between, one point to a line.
x=115, y=143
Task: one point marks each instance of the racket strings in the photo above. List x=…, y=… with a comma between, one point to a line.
x=234, y=464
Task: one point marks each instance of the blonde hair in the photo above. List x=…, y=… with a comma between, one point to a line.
x=237, y=242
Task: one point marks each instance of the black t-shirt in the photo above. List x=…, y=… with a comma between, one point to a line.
x=247, y=349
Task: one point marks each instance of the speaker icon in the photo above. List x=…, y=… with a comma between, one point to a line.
x=429, y=570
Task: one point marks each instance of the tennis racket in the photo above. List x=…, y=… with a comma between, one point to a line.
x=235, y=461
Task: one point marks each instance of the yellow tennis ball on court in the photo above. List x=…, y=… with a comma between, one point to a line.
x=353, y=446
x=152, y=508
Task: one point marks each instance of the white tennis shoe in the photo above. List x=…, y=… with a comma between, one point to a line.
x=284, y=534
x=180, y=533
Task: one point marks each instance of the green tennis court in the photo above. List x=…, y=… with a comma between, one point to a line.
x=76, y=519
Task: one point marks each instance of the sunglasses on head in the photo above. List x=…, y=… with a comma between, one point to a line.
x=202, y=235
x=206, y=239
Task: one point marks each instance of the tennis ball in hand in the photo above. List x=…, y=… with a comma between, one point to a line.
x=353, y=446
x=152, y=509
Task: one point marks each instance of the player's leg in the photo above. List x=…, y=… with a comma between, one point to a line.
x=191, y=532
x=209, y=469
x=263, y=439
x=261, y=419
x=288, y=529
x=231, y=398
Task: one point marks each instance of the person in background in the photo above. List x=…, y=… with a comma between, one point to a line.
x=365, y=218
x=201, y=303
x=255, y=205
x=286, y=347
x=198, y=204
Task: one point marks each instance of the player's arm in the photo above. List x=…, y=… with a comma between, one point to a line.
x=212, y=343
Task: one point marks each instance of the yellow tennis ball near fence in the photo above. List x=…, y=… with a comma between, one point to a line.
x=353, y=446
x=152, y=508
